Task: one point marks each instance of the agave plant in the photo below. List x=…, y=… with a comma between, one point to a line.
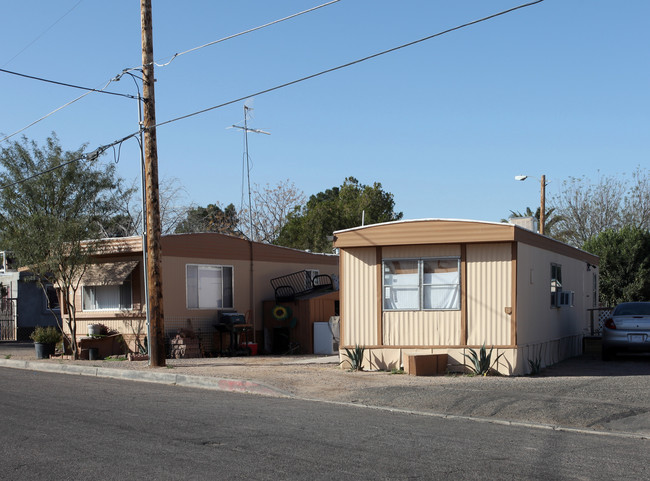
x=355, y=357
x=482, y=362
x=535, y=366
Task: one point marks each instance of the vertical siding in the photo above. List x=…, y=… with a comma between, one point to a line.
x=422, y=328
x=360, y=296
x=489, y=292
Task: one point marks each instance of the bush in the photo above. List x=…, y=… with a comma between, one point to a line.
x=46, y=335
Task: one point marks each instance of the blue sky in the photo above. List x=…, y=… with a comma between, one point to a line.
x=559, y=88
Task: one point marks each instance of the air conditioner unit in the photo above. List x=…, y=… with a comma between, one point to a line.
x=565, y=298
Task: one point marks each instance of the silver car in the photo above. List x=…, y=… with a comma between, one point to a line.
x=628, y=329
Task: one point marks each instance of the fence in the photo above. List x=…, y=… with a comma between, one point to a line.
x=596, y=318
x=8, y=328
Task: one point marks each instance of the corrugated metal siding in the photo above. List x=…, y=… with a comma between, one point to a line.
x=422, y=328
x=360, y=296
x=489, y=292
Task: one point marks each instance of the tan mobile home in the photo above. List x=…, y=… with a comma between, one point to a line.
x=443, y=286
x=204, y=276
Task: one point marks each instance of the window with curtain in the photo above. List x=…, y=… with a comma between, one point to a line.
x=209, y=286
x=421, y=284
x=108, y=298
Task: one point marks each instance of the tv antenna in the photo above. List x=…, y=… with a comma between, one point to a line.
x=246, y=164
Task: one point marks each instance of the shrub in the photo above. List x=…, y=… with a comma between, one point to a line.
x=46, y=335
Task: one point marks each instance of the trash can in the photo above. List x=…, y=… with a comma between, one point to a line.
x=93, y=354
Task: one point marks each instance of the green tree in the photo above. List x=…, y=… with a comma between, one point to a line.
x=624, y=264
x=49, y=220
x=210, y=219
x=310, y=226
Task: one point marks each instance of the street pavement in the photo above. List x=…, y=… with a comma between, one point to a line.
x=581, y=394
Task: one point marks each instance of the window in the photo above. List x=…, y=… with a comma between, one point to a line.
x=556, y=284
x=422, y=284
x=103, y=298
x=209, y=287
x=51, y=298
x=309, y=277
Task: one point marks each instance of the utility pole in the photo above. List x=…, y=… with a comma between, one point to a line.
x=153, y=247
x=542, y=206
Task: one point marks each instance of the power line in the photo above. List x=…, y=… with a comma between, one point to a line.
x=127, y=70
x=43, y=33
x=354, y=62
x=244, y=32
x=94, y=155
x=51, y=113
x=67, y=84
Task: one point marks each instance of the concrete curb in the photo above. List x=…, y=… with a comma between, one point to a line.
x=200, y=382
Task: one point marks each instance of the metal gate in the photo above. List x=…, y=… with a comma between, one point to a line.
x=8, y=328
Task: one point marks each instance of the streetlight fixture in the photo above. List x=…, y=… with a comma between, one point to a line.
x=542, y=207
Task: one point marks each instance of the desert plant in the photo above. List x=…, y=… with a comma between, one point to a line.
x=535, y=366
x=482, y=362
x=355, y=357
x=46, y=335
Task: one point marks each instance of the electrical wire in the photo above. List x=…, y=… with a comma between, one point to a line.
x=43, y=33
x=354, y=62
x=67, y=84
x=176, y=55
x=53, y=112
x=91, y=156
x=128, y=70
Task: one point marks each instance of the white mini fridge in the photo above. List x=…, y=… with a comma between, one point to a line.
x=326, y=336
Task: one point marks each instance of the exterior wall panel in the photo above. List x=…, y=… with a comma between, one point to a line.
x=537, y=320
x=360, y=294
x=489, y=292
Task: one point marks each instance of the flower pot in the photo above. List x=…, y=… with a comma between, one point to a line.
x=94, y=330
x=44, y=350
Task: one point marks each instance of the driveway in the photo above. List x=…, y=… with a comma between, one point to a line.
x=581, y=393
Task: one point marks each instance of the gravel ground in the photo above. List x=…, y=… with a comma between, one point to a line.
x=583, y=392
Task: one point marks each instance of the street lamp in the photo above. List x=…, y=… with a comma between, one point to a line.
x=542, y=207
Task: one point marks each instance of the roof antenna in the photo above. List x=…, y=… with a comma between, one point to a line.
x=246, y=161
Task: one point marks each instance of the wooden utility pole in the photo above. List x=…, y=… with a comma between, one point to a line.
x=154, y=250
x=542, y=206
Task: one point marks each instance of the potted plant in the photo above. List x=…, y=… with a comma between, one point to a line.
x=45, y=340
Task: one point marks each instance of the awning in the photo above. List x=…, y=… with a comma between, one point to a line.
x=108, y=274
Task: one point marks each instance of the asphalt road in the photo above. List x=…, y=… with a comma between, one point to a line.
x=68, y=427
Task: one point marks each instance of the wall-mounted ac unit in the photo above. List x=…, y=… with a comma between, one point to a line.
x=565, y=298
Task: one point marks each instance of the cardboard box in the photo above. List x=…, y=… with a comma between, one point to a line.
x=426, y=364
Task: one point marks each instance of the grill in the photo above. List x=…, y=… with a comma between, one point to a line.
x=235, y=325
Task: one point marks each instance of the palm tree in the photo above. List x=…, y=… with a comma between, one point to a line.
x=549, y=223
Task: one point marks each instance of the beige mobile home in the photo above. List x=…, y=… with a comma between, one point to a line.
x=443, y=286
x=204, y=276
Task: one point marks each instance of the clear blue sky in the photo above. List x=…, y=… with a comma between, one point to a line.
x=560, y=88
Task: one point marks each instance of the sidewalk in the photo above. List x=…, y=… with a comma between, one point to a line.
x=581, y=393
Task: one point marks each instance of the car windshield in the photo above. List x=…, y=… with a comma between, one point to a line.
x=633, y=309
